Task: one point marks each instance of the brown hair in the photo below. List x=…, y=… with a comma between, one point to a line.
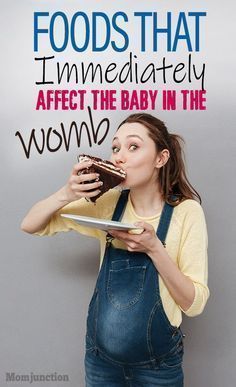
x=175, y=186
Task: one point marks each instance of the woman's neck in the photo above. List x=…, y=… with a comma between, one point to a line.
x=146, y=202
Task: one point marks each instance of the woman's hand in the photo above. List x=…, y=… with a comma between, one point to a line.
x=146, y=242
x=76, y=189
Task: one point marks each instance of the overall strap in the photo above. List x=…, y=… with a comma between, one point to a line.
x=164, y=222
x=120, y=206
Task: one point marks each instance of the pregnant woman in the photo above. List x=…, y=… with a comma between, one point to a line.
x=147, y=280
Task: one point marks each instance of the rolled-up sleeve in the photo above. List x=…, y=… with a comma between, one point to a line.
x=193, y=257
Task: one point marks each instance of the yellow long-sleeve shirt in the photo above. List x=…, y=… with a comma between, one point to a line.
x=186, y=242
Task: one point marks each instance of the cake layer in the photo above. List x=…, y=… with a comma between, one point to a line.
x=110, y=175
x=108, y=165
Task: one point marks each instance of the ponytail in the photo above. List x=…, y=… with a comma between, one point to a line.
x=173, y=180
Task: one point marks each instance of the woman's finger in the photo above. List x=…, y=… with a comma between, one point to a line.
x=80, y=166
x=91, y=194
x=124, y=236
x=86, y=177
x=145, y=226
x=86, y=187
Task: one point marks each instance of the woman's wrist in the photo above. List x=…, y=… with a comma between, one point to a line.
x=62, y=197
x=155, y=249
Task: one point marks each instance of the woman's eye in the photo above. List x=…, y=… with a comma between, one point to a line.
x=133, y=147
x=115, y=149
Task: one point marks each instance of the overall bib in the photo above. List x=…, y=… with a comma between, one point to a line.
x=126, y=322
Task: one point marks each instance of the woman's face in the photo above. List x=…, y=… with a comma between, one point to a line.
x=135, y=152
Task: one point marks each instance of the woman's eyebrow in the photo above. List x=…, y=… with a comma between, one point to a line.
x=130, y=135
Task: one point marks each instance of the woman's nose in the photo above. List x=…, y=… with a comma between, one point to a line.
x=119, y=158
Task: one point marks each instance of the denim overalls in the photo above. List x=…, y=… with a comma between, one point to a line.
x=126, y=322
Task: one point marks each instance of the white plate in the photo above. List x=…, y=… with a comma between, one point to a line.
x=102, y=224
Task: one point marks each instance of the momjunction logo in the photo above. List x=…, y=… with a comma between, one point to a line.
x=31, y=377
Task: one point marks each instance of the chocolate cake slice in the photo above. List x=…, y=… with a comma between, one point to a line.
x=110, y=175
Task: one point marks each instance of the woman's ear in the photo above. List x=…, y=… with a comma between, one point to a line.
x=162, y=158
